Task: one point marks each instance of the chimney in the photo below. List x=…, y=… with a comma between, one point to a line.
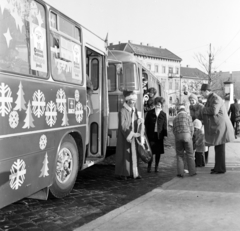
x=119, y=42
x=160, y=47
x=187, y=65
x=111, y=44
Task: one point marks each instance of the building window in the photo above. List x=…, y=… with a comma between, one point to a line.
x=156, y=68
x=177, y=86
x=163, y=69
x=170, y=70
x=149, y=66
x=170, y=85
x=177, y=70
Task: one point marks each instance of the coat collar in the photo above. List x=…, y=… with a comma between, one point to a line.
x=128, y=108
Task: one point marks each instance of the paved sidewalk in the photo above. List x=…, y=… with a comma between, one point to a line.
x=204, y=202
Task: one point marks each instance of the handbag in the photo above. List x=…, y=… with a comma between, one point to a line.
x=143, y=148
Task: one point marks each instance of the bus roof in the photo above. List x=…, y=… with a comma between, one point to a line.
x=121, y=56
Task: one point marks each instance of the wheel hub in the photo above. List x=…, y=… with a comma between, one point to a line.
x=64, y=165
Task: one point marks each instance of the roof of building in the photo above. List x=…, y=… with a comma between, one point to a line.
x=144, y=50
x=189, y=72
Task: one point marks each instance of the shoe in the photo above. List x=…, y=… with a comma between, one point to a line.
x=149, y=170
x=138, y=177
x=194, y=174
x=217, y=172
x=235, y=137
x=213, y=170
x=156, y=170
x=179, y=175
x=186, y=171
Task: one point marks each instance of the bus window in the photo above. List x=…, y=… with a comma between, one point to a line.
x=66, y=55
x=23, y=41
x=111, y=77
x=95, y=73
x=129, y=80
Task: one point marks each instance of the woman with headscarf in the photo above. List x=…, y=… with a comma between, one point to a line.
x=126, y=165
x=195, y=107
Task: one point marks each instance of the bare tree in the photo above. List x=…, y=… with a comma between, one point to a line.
x=206, y=61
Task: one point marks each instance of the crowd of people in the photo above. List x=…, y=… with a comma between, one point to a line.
x=194, y=129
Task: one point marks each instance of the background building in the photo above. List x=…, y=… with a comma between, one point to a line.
x=162, y=62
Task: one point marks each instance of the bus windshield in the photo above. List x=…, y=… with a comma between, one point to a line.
x=129, y=80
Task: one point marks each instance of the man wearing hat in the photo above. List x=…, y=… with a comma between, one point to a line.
x=126, y=165
x=217, y=126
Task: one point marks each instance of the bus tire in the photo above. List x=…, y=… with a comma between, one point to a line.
x=66, y=169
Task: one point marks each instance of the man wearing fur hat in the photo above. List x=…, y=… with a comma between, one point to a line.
x=217, y=126
x=126, y=165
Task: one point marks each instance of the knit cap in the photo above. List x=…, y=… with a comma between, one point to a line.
x=197, y=124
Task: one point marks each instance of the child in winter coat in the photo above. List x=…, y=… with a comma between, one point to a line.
x=198, y=143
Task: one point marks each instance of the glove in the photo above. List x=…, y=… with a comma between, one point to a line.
x=136, y=135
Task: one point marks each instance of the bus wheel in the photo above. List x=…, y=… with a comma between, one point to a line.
x=66, y=169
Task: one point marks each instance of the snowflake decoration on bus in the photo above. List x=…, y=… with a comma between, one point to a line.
x=61, y=100
x=13, y=119
x=51, y=113
x=77, y=95
x=38, y=103
x=43, y=142
x=18, y=171
x=5, y=99
x=79, y=112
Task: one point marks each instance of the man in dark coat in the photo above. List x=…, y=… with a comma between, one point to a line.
x=217, y=126
x=235, y=115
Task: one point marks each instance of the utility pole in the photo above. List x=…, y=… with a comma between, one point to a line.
x=210, y=66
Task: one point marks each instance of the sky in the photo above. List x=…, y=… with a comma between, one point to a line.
x=185, y=27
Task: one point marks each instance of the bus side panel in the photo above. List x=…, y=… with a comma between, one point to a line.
x=28, y=169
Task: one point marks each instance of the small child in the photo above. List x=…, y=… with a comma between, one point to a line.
x=198, y=143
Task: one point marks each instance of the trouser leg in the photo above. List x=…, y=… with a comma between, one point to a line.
x=220, y=165
x=206, y=157
x=190, y=158
x=180, y=155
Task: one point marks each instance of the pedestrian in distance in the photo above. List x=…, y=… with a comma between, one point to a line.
x=199, y=143
x=234, y=110
x=126, y=163
x=217, y=126
x=183, y=132
x=156, y=129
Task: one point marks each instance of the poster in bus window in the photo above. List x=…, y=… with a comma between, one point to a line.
x=38, y=48
x=65, y=49
x=76, y=74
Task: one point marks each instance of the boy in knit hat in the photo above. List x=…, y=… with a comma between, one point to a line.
x=183, y=132
x=198, y=143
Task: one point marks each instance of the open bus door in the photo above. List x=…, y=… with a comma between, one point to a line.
x=95, y=67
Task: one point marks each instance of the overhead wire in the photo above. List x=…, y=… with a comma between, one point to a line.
x=228, y=57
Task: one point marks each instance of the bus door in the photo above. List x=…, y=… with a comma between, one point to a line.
x=95, y=117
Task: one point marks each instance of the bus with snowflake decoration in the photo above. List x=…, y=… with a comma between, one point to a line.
x=48, y=130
